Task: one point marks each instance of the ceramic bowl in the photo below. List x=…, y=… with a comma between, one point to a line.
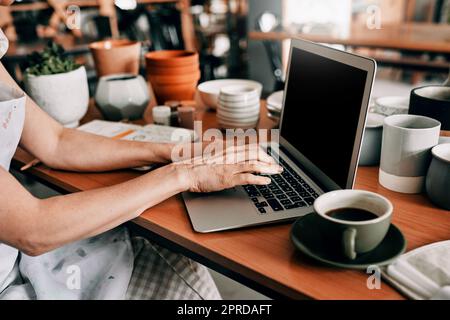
x=240, y=115
x=239, y=104
x=389, y=106
x=237, y=93
x=275, y=101
x=209, y=90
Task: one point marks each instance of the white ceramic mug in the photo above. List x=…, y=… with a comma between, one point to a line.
x=406, y=151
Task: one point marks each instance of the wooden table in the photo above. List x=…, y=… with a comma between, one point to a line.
x=263, y=257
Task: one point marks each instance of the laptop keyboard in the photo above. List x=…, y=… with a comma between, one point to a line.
x=287, y=191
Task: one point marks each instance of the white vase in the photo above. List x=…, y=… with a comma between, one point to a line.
x=64, y=96
x=122, y=96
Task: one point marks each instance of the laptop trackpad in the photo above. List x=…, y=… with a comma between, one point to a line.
x=220, y=210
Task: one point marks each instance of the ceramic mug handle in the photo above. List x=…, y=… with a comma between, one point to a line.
x=348, y=242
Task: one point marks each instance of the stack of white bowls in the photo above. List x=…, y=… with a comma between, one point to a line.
x=239, y=107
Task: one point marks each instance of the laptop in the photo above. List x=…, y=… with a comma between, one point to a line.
x=322, y=123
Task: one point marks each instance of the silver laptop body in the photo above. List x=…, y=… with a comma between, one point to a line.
x=342, y=81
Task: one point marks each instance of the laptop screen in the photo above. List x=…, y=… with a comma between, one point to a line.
x=322, y=109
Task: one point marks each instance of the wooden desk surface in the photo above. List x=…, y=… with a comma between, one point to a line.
x=265, y=254
x=410, y=37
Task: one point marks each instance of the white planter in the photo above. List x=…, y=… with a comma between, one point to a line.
x=64, y=96
x=122, y=96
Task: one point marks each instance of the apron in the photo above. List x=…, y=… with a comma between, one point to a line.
x=108, y=266
x=96, y=268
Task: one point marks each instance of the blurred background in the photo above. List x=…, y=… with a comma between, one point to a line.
x=410, y=39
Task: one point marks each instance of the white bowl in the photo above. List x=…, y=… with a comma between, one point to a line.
x=209, y=90
x=225, y=119
x=238, y=104
x=231, y=125
x=237, y=118
x=241, y=115
x=275, y=100
x=389, y=106
x=240, y=108
x=238, y=91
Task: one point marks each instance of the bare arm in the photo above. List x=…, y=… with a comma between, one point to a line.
x=70, y=149
x=36, y=226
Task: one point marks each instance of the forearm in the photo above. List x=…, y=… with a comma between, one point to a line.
x=70, y=149
x=64, y=219
x=80, y=151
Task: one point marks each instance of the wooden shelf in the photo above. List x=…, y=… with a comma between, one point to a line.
x=81, y=3
x=415, y=37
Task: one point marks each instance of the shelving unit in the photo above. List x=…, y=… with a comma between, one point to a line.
x=106, y=8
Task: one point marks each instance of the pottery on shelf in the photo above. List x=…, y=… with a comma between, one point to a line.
x=64, y=96
x=173, y=74
x=122, y=96
x=116, y=56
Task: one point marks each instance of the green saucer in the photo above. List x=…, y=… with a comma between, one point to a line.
x=307, y=239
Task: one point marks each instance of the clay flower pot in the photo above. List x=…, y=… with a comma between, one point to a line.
x=164, y=71
x=171, y=58
x=173, y=74
x=176, y=79
x=174, y=91
x=116, y=56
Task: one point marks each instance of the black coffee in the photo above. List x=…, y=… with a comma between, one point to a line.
x=351, y=214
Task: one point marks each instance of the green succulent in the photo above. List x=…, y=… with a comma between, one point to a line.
x=50, y=61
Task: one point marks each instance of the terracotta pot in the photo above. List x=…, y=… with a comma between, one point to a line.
x=171, y=58
x=164, y=71
x=175, y=79
x=116, y=56
x=177, y=92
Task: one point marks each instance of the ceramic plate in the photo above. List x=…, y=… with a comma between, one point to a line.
x=275, y=100
x=308, y=239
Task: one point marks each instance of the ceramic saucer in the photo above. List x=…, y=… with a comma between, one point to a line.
x=308, y=239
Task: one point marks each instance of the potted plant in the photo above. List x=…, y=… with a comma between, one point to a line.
x=58, y=85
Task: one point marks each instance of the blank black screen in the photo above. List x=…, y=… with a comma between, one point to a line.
x=322, y=108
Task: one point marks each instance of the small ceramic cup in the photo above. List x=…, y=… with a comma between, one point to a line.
x=239, y=107
x=438, y=177
x=371, y=146
x=406, y=152
x=357, y=237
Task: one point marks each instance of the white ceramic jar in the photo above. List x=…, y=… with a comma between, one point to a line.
x=122, y=96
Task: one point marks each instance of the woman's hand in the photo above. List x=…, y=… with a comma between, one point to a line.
x=232, y=167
